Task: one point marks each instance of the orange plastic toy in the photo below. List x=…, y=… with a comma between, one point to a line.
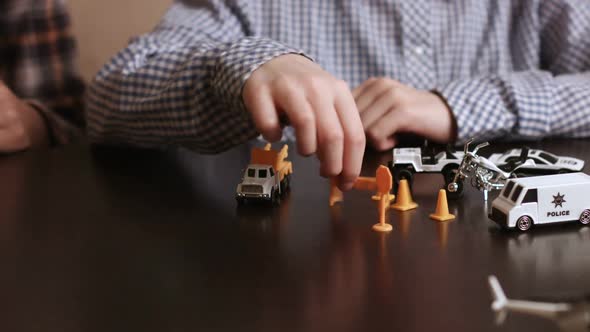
x=335, y=193
x=381, y=183
x=384, y=182
x=404, y=200
x=442, y=208
x=277, y=159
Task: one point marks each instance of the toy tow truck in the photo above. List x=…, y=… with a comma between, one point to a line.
x=268, y=176
x=408, y=161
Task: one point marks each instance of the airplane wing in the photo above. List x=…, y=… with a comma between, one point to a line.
x=502, y=304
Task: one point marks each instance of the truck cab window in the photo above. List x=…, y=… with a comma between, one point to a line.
x=530, y=196
x=272, y=173
x=516, y=193
x=251, y=172
x=262, y=173
x=508, y=189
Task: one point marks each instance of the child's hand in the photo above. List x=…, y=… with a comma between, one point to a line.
x=388, y=107
x=21, y=126
x=319, y=106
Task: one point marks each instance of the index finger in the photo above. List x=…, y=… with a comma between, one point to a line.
x=354, y=137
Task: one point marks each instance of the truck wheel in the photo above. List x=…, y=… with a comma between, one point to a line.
x=524, y=223
x=286, y=183
x=403, y=172
x=240, y=200
x=275, y=198
x=585, y=217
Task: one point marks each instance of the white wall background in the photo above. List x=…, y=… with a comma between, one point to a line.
x=103, y=27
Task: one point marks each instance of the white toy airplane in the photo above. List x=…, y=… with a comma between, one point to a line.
x=570, y=314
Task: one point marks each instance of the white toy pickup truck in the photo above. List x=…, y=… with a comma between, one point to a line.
x=268, y=176
x=408, y=161
x=260, y=182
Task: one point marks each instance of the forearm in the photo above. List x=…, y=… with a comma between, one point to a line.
x=41, y=71
x=525, y=105
x=170, y=90
x=57, y=130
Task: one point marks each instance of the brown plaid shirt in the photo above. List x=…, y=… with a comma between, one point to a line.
x=37, y=61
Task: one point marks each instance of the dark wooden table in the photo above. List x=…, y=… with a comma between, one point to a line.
x=131, y=240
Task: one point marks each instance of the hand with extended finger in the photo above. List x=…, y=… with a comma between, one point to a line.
x=319, y=106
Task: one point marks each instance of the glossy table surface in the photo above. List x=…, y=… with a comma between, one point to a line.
x=131, y=240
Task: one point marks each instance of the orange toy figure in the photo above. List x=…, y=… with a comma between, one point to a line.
x=384, y=184
x=381, y=183
x=442, y=208
x=335, y=193
x=277, y=159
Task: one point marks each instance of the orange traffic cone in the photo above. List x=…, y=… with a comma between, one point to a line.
x=382, y=226
x=335, y=193
x=442, y=208
x=404, y=200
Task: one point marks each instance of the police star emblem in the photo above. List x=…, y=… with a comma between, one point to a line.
x=558, y=200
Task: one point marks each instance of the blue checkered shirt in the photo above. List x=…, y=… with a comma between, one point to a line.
x=507, y=68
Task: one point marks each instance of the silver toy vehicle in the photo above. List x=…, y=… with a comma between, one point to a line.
x=260, y=183
x=485, y=175
x=545, y=162
x=267, y=177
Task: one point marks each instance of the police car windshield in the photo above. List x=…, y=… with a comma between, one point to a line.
x=516, y=193
x=550, y=158
x=508, y=189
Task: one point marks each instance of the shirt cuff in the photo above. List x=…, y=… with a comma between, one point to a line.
x=59, y=130
x=477, y=109
x=515, y=106
x=234, y=67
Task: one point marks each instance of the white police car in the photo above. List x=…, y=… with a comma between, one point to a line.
x=542, y=200
x=545, y=162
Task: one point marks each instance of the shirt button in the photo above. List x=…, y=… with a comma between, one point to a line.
x=419, y=50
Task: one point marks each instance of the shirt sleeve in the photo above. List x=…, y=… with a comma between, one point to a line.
x=182, y=83
x=553, y=101
x=40, y=67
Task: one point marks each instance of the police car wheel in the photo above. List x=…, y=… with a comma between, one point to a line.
x=524, y=223
x=585, y=217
